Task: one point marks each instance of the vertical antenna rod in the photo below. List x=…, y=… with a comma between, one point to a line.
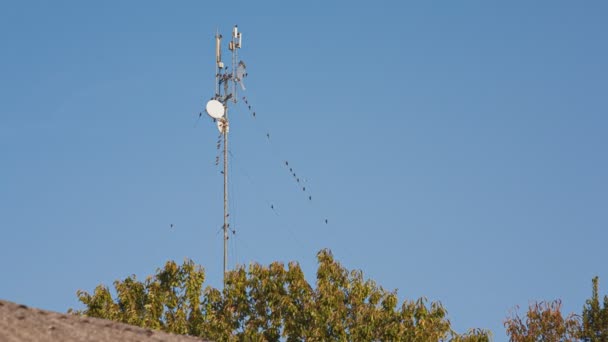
x=225, y=196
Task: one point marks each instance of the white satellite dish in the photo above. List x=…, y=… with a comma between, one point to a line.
x=215, y=109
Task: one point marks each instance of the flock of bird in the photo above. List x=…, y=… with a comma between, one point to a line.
x=299, y=181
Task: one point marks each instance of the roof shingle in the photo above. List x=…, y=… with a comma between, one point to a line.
x=20, y=323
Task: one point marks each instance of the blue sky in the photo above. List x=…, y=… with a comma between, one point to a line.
x=457, y=149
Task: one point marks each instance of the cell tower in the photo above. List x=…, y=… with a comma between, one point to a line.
x=226, y=81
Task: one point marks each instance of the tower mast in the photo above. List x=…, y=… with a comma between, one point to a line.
x=217, y=108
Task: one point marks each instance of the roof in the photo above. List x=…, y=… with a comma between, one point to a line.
x=21, y=323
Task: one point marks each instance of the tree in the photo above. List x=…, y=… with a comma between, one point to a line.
x=543, y=322
x=595, y=317
x=169, y=301
x=273, y=303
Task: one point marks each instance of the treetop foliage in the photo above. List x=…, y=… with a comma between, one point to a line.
x=544, y=322
x=275, y=302
x=271, y=303
x=595, y=317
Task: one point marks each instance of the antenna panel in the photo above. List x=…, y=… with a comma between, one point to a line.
x=218, y=50
x=241, y=72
